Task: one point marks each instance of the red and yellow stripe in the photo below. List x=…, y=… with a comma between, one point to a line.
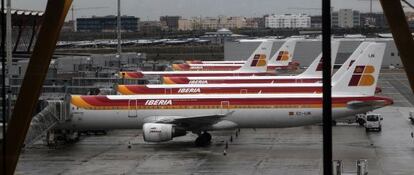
x=144, y=89
x=186, y=80
x=104, y=103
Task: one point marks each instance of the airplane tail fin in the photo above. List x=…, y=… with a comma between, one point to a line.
x=351, y=59
x=315, y=68
x=285, y=53
x=258, y=61
x=362, y=77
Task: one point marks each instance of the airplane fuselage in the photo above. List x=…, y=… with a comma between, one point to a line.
x=247, y=111
x=214, y=62
x=136, y=75
x=220, y=88
x=224, y=67
x=239, y=80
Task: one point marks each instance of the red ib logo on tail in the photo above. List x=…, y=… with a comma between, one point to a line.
x=362, y=76
x=259, y=60
x=282, y=56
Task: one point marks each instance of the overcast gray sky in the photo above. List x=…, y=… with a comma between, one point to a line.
x=152, y=9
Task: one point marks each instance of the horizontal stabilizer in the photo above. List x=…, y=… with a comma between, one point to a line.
x=367, y=104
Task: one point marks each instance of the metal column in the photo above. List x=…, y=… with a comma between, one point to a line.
x=401, y=33
x=327, y=89
x=54, y=17
x=8, y=39
x=3, y=90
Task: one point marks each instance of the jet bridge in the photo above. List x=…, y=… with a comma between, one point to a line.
x=52, y=113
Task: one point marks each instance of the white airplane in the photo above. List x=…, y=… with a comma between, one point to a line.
x=255, y=65
x=281, y=60
x=163, y=117
x=311, y=75
x=215, y=62
x=240, y=88
x=244, y=87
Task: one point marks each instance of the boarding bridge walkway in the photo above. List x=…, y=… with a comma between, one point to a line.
x=55, y=111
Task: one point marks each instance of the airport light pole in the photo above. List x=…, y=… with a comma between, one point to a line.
x=118, y=31
x=327, y=87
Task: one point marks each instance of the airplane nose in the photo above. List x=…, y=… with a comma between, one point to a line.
x=122, y=89
x=194, y=62
x=175, y=80
x=170, y=80
x=131, y=89
x=180, y=67
x=131, y=75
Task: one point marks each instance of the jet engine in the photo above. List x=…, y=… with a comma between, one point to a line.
x=159, y=132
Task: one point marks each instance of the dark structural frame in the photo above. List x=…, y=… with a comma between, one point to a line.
x=19, y=123
x=326, y=88
x=55, y=14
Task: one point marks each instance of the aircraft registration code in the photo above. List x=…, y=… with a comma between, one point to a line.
x=300, y=113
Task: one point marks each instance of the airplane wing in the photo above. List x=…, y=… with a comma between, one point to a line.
x=362, y=104
x=190, y=122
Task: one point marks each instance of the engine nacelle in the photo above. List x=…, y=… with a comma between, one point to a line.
x=159, y=132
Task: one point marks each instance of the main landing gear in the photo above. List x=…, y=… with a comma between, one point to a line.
x=203, y=139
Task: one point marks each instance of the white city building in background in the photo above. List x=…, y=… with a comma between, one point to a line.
x=288, y=21
x=346, y=18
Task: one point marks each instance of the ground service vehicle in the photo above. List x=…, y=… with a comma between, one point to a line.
x=373, y=122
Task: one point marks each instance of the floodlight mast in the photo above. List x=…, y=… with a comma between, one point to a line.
x=118, y=31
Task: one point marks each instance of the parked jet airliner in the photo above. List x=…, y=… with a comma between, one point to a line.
x=245, y=87
x=163, y=117
x=311, y=75
x=282, y=60
x=255, y=65
x=215, y=62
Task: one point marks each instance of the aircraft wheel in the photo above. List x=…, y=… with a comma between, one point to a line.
x=203, y=140
x=207, y=136
x=361, y=122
